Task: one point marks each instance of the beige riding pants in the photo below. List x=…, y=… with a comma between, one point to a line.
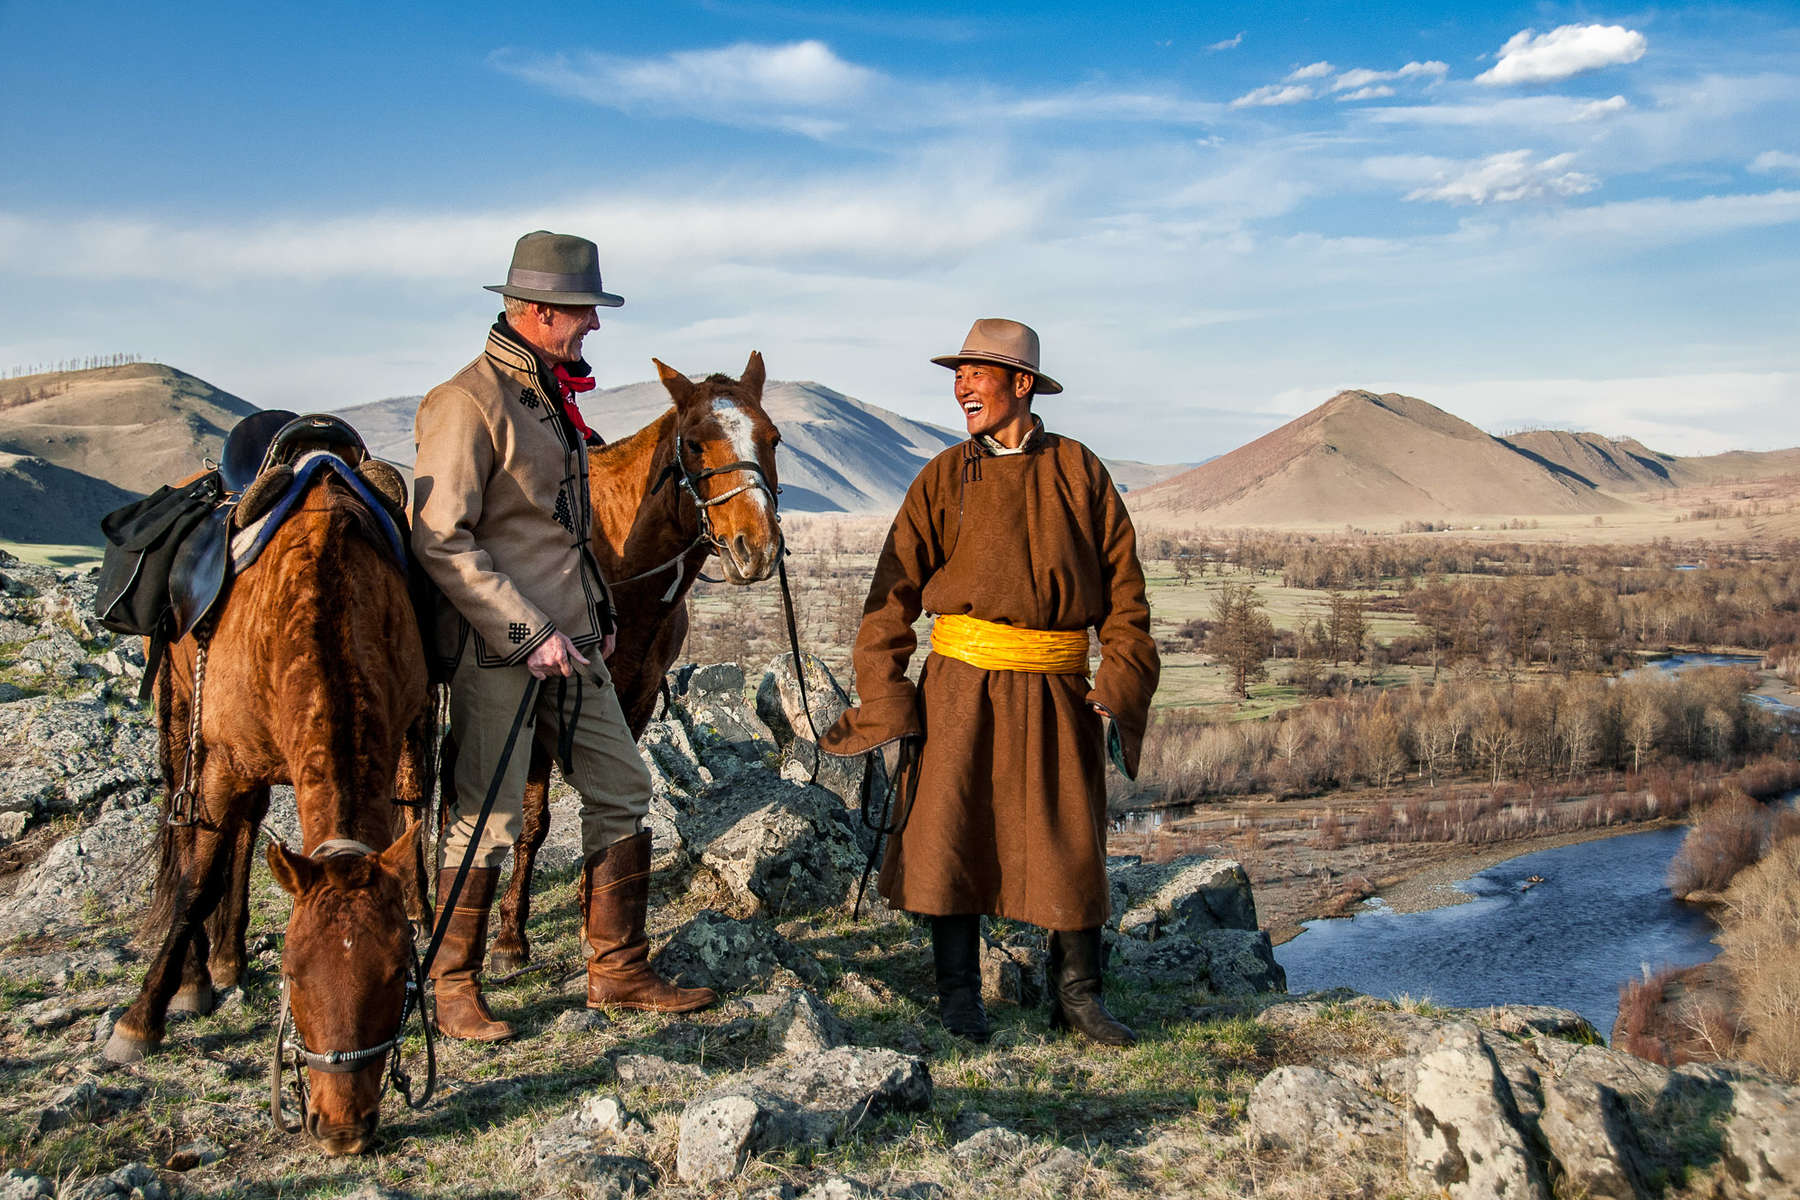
x=603, y=768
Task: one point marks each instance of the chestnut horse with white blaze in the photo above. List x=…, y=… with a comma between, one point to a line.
x=313, y=675
x=698, y=480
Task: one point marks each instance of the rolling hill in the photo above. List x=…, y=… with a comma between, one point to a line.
x=136, y=427
x=1628, y=466
x=1362, y=458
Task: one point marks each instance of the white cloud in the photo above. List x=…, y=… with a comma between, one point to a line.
x=804, y=74
x=1770, y=161
x=1532, y=57
x=1230, y=43
x=1362, y=77
x=1528, y=112
x=1316, y=70
x=1661, y=221
x=1368, y=93
x=1272, y=95
x=1506, y=177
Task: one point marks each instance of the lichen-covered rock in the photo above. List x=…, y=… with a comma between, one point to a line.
x=988, y=1147
x=779, y=847
x=588, y=1148
x=136, y=1180
x=1590, y=1135
x=778, y=703
x=1463, y=1136
x=730, y=955
x=654, y=1071
x=804, y=1024
x=721, y=720
x=1306, y=1110
x=1762, y=1139
x=1527, y=1019
x=88, y=877
x=23, y=1185
x=1185, y=896
x=1013, y=972
x=813, y=1099
x=84, y=1103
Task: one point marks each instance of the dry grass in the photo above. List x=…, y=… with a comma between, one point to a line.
x=1761, y=940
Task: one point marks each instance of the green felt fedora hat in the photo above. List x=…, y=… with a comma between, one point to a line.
x=1008, y=343
x=556, y=268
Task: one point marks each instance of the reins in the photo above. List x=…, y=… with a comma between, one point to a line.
x=888, y=824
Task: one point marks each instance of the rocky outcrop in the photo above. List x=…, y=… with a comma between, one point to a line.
x=1518, y=1101
x=1191, y=920
x=816, y=1098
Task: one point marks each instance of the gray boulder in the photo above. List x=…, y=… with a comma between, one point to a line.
x=86, y=878
x=800, y=1023
x=1590, y=1135
x=815, y=1098
x=1186, y=896
x=720, y=719
x=23, y=1185
x=1013, y=971
x=1462, y=1127
x=1762, y=1139
x=588, y=1148
x=778, y=703
x=1305, y=1110
x=780, y=848
x=730, y=955
x=83, y=1104
x=133, y=1179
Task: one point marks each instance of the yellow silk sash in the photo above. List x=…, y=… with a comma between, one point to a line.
x=995, y=647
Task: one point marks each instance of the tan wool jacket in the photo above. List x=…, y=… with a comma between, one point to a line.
x=501, y=511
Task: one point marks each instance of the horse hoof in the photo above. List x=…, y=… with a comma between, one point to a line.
x=505, y=962
x=122, y=1048
x=196, y=1000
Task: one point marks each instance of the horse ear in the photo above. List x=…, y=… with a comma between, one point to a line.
x=401, y=860
x=293, y=871
x=754, y=375
x=681, y=388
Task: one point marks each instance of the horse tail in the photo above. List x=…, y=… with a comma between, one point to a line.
x=169, y=844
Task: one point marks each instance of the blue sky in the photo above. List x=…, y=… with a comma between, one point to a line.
x=1216, y=215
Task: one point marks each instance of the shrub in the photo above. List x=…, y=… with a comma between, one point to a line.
x=1724, y=839
x=1761, y=940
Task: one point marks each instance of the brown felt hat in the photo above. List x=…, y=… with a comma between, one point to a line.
x=556, y=268
x=1008, y=343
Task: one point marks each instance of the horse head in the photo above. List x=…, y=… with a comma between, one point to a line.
x=345, y=968
x=725, y=459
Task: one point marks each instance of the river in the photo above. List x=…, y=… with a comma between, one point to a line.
x=1602, y=912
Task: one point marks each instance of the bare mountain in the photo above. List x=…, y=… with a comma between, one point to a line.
x=837, y=454
x=137, y=427
x=1363, y=458
x=1626, y=465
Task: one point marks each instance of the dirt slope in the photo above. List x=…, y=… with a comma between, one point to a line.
x=137, y=426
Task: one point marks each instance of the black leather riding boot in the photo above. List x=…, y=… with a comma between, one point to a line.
x=1075, y=1001
x=956, y=953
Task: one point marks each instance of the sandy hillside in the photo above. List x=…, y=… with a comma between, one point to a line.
x=1367, y=459
x=1626, y=465
x=137, y=426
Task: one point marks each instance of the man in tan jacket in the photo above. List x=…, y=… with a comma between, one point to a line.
x=501, y=517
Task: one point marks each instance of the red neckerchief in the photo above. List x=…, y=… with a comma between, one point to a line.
x=571, y=384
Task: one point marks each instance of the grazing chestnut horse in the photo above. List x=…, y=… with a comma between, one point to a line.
x=314, y=675
x=698, y=480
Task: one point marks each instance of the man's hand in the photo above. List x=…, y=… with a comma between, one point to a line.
x=556, y=655
x=608, y=646
x=890, y=754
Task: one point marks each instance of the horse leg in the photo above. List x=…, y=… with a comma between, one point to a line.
x=229, y=924
x=410, y=779
x=512, y=948
x=141, y=1029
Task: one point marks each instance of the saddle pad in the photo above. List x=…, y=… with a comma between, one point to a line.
x=249, y=541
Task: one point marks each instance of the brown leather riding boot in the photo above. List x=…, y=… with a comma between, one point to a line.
x=615, y=894
x=456, y=972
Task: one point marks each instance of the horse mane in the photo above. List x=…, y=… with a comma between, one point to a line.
x=347, y=519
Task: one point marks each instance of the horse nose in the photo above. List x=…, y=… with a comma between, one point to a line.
x=740, y=550
x=351, y=1138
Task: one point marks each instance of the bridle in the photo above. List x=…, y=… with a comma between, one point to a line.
x=689, y=481
x=292, y=1051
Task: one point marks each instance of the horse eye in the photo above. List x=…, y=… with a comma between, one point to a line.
x=693, y=446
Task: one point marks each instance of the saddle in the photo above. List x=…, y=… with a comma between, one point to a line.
x=269, y=459
x=170, y=556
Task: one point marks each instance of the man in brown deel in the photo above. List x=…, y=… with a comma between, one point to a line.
x=501, y=515
x=1017, y=540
